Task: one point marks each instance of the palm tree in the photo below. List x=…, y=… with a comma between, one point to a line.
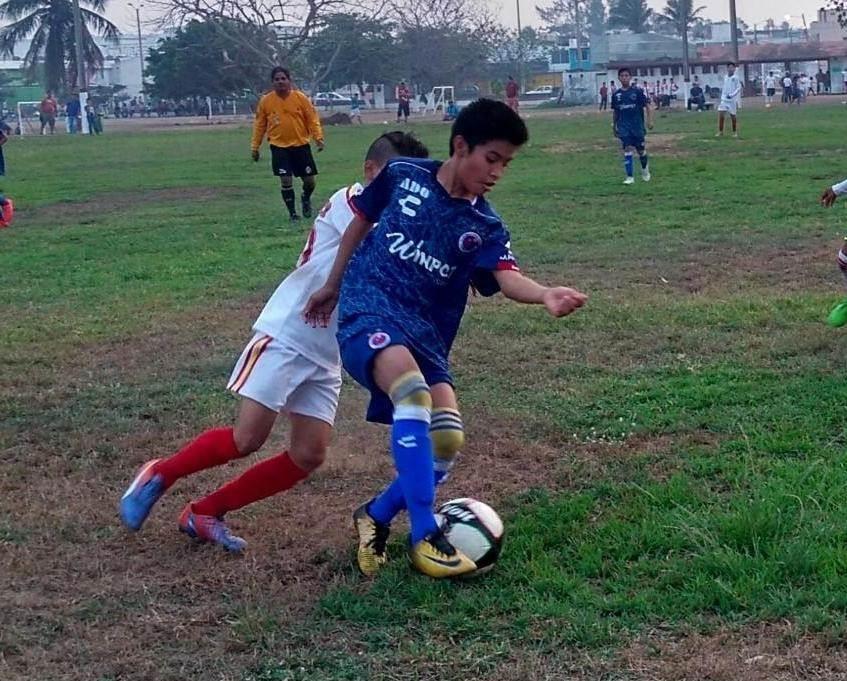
x=631, y=14
x=681, y=14
x=50, y=24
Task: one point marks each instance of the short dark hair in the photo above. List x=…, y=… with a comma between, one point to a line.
x=485, y=120
x=624, y=69
x=396, y=143
x=280, y=69
x=731, y=63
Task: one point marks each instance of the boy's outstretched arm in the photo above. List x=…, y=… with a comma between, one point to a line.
x=322, y=302
x=559, y=300
x=830, y=194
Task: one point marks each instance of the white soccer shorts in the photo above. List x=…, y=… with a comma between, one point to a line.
x=730, y=107
x=280, y=378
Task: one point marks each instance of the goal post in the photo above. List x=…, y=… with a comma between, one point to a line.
x=29, y=122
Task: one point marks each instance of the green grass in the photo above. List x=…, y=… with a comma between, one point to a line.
x=700, y=378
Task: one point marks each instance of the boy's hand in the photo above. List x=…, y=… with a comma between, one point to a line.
x=320, y=306
x=320, y=145
x=828, y=197
x=254, y=155
x=561, y=301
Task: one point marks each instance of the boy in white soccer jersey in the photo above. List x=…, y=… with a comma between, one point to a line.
x=730, y=94
x=288, y=366
x=770, y=88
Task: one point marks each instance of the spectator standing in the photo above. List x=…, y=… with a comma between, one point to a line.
x=604, y=97
x=403, y=97
x=47, y=110
x=512, y=93
x=73, y=112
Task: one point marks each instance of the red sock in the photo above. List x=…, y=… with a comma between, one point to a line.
x=213, y=448
x=265, y=479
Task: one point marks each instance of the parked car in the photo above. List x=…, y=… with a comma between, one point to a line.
x=542, y=90
x=331, y=99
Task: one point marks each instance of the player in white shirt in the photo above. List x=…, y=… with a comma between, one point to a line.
x=770, y=88
x=730, y=96
x=288, y=366
x=828, y=198
x=787, y=89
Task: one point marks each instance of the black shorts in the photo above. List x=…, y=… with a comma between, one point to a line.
x=771, y=91
x=403, y=109
x=293, y=161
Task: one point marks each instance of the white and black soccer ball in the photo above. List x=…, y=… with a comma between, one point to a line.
x=475, y=529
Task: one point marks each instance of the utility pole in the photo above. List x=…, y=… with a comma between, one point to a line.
x=137, y=9
x=82, y=86
x=733, y=28
x=520, y=49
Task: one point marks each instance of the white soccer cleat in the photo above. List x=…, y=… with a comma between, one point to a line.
x=645, y=174
x=629, y=180
x=718, y=134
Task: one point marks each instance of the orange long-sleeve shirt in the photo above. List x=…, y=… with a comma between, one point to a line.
x=288, y=122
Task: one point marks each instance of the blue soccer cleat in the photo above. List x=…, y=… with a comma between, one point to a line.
x=207, y=528
x=146, y=489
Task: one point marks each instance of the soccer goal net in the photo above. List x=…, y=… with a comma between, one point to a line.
x=28, y=121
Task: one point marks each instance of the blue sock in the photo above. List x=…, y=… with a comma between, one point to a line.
x=643, y=158
x=412, y=450
x=627, y=164
x=391, y=501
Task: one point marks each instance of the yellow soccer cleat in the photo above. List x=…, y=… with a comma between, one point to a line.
x=436, y=557
x=373, y=537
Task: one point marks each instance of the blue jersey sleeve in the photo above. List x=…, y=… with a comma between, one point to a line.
x=642, y=99
x=374, y=198
x=493, y=256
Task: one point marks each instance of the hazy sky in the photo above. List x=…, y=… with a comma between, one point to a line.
x=752, y=11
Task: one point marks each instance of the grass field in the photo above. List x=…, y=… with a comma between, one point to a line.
x=669, y=461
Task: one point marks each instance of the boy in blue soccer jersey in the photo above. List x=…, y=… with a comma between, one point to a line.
x=402, y=287
x=630, y=112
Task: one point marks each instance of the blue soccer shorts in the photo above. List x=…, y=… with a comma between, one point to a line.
x=358, y=353
x=632, y=141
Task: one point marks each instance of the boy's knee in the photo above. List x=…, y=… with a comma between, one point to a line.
x=247, y=441
x=308, y=456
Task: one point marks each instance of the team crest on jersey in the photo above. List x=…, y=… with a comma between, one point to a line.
x=378, y=340
x=469, y=242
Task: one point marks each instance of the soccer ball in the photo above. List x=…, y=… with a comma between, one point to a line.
x=475, y=529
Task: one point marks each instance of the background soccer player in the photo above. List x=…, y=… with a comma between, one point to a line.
x=290, y=120
x=287, y=366
x=401, y=303
x=730, y=94
x=828, y=198
x=631, y=112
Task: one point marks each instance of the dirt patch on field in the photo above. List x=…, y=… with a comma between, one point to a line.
x=83, y=599
x=90, y=209
x=767, y=652
x=662, y=142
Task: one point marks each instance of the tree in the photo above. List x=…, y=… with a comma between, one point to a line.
x=273, y=31
x=631, y=14
x=351, y=48
x=49, y=25
x=568, y=18
x=205, y=59
x=444, y=41
x=681, y=14
x=597, y=19
x=840, y=9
